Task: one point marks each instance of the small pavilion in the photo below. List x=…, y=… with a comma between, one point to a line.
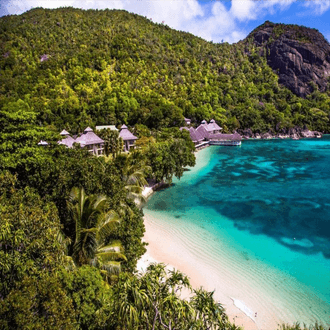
x=91, y=141
x=211, y=132
x=128, y=138
x=67, y=139
x=88, y=140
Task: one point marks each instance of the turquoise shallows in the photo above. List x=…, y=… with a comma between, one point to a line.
x=268, y=204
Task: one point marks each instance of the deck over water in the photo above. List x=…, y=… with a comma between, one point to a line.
x=225, y=143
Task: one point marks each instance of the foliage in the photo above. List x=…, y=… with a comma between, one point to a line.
x=89, y=295
x=133, y=172
x=152, y=301
x=30, y=255
x=172, y=152
x=95, y=225
x=113, y=144
x=76, y=68
x=29, y=230
x=130, y=233
x=38, y=303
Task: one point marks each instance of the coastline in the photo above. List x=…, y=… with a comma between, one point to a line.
x=242, y=290
x=168, y=250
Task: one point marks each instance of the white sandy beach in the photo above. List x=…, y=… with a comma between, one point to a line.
x=163, y=248
x=166, y=249
x=243, y=284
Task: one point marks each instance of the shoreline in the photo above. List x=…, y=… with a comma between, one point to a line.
x=168, y=250
x=242, y=291
x=254, y=298
x=164, y=249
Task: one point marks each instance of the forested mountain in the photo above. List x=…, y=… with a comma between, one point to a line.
x=75, y=68
x=70, y=231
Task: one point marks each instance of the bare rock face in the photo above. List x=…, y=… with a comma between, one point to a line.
x=294, y=133
x=299, y=55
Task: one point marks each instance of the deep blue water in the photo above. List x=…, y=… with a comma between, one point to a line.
x=279, y=188
x=274, y=189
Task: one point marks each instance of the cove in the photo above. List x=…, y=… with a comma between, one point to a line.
x=257, y=218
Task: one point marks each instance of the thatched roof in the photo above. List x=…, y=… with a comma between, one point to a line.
x=211, y=126
x=64, y=132
x=202, y=131
x=195, y=135
x=88, y=138
x=125, y=134
x=68, y=141
x=225, y=137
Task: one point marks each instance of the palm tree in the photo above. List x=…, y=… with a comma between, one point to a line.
x=152, y=300
x=95, y=224
x=209, y=313
x=133, y=173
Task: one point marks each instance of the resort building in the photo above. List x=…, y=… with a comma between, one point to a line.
x=210, y=132
x=91, y=141
x=88, y=140
x=42, y=143
x=67, y=139
x=111, y=127
x=128, y=138
x=195, y=136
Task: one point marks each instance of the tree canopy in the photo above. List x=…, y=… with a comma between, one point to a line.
x=75, y=68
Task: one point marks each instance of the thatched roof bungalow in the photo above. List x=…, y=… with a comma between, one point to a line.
x=91, y=141
x=88, y=140
x=67, y=139
x=195, y=136
x=210, y=132
x=210, y=128
x=128, y=138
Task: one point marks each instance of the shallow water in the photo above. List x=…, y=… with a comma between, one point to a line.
x=263, y=211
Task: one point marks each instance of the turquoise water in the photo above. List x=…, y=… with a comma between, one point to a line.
x=268, y=201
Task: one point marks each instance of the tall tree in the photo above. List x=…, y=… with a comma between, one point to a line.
x=95, y=225
x=152, y=301
x=19, y=138
x=133, y=171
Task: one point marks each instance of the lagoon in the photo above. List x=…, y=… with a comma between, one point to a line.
x=254, y=223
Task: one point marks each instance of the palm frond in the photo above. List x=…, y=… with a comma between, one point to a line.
x=113, y=246
x=112, y=267
x=107, y=224
x=110, y=256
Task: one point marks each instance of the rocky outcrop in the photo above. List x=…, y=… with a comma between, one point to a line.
x=299, y=55
x=294, y=133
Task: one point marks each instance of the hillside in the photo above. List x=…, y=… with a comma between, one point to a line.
x=76, y=68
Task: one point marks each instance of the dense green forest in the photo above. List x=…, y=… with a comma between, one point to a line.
x=76, y=68
x=70, y=230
